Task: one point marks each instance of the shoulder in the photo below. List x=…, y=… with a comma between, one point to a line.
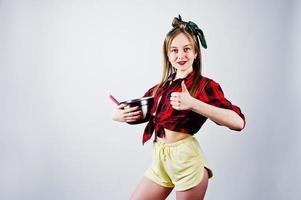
x=153, y=87
x=210, y=85
x=150, y=91
x=208, y=82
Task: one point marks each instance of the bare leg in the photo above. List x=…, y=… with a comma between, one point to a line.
x=195, y=193
x=149, y=190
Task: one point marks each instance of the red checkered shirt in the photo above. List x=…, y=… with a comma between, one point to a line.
x=163, y=115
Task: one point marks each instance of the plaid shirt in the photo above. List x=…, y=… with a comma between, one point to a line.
x=185, y=121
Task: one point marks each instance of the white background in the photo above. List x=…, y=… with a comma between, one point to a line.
x=59, y=61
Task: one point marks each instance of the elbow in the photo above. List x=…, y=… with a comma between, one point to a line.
x=239, y=125
x=238, y=128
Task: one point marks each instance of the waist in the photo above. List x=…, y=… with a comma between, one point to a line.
x=173, y=136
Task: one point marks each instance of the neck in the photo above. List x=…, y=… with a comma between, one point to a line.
x=183, y=74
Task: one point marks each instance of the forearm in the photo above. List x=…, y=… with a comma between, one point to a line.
x=225, y=117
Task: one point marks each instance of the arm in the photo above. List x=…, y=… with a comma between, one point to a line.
x=122, y=114
x=222, y=116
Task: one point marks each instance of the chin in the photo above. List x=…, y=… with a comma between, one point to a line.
x=183, y=68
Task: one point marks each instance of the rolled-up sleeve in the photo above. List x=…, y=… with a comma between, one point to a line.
x=214, y=95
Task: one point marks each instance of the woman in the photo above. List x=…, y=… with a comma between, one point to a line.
x=183, y=101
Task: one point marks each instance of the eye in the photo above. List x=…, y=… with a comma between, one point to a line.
x=174, y=50
x=187, y=49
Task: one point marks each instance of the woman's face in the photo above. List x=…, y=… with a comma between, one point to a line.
x=181, y=53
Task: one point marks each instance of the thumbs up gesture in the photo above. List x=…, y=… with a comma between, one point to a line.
x=181, y=100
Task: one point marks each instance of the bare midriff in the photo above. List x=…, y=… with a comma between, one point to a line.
x=172, y=136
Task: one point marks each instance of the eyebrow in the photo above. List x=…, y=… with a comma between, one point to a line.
x=184, y=46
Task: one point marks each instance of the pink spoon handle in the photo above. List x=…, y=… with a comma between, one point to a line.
x=114, y=100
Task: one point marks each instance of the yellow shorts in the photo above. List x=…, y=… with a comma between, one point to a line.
x=180, y=164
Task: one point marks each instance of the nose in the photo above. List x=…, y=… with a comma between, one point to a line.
x=181, y=54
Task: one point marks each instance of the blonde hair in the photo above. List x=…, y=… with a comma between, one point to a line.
x=168, y=69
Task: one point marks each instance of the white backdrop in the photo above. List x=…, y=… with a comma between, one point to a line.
x=59, y=61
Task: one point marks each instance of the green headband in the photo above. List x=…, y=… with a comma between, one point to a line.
x=190, y=27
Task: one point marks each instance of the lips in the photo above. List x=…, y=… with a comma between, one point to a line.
x=182, y=62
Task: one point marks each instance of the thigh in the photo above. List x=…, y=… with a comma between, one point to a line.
x=197, y=192
x=149, y=190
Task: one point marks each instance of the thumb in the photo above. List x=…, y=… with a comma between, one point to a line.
x=122, y=105
x=184, y=88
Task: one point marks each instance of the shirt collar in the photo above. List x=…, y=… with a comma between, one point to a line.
x=190, y=76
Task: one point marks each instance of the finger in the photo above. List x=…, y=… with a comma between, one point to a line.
x=133, y=118
x=174, y=94
x=136, y=113
x=184, y=88
x=176, y=99
x=121, y=106
x=175, y=103
x=176, y=107
x=133, y=109
x=173, y=98
x=133, y=114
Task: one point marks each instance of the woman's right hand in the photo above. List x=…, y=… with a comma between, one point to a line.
x=122, y=114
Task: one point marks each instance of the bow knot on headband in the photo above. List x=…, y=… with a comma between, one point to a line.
x=190, y=27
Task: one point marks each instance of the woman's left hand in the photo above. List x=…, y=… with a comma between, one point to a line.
x=181, y=100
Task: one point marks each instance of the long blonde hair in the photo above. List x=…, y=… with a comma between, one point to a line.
x=168, y=69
